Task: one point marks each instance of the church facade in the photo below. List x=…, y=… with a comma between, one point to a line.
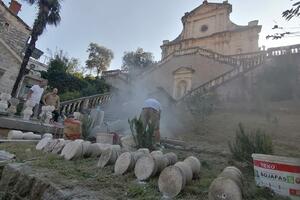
x=209, y=46
x=209, y=27
x=189, y=60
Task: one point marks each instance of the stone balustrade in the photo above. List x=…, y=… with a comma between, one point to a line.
x=80, y=104
x=245, y=63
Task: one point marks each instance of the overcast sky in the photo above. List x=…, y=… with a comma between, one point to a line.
x=124, y=25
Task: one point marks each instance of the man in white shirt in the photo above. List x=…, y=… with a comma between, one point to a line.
x=151, y=114
x=35, y=94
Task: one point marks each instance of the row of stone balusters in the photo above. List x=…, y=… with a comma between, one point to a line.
x=71, y=150
x=173, y=175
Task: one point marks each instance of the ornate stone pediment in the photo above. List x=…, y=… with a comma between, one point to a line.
x=184, y=70
x=206, y=8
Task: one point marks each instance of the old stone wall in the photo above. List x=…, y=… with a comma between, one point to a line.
x=14, y=32
x=9, y=68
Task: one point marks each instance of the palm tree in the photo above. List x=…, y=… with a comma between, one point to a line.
x=48, y=13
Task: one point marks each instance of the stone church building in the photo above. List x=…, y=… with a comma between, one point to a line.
x=209, y=27
x=14, y=35
x=193, y=58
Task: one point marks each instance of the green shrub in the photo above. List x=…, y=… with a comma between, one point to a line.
x=248, y=143
x=70, y=95
x=202, y=106
x=86, y=126
x=143, y=136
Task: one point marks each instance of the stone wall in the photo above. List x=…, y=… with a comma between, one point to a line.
x=9, y=66
x=14, y=32
x=241, y=89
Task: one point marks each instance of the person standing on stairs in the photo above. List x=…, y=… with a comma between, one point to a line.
x=151, y=114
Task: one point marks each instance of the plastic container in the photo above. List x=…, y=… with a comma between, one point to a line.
x=280, y=174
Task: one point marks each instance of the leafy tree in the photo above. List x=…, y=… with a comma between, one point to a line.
x=48, y=13
x=288, y=15
x=71, y=84
x=138, y=59
x=293, y=12
x=59, y=77
x=99, y=58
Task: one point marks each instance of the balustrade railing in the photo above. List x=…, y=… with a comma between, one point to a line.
x=246, y=63
x=204, y=52
x=77, y=105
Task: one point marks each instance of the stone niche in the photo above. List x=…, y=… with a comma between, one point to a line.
x=182, y=81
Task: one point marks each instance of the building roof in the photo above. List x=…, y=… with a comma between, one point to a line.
x=205, y=3
x=16, y=16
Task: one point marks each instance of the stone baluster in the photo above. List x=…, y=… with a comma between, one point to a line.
x=78, y=106
x=13, y=105
x=93, y=102
x=28, y=110
x=85, y=104
x=72, y=107
x=98, y=100
x=4, y=101
x=63, y=110
x=75, y=104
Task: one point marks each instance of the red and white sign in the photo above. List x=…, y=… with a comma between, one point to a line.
x=280, y=174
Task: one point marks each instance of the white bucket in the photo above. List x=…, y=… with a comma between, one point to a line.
x=280, y=174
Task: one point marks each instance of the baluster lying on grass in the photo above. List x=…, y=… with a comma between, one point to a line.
x=150, y=165
x=228, y=185
x=174, y=178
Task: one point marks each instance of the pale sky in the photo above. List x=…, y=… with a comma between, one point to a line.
x=124, y=25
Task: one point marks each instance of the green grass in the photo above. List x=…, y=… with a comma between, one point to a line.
x=85, y=173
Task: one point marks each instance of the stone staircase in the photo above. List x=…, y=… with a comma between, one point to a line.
x=229, y=60
x=242, y=63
